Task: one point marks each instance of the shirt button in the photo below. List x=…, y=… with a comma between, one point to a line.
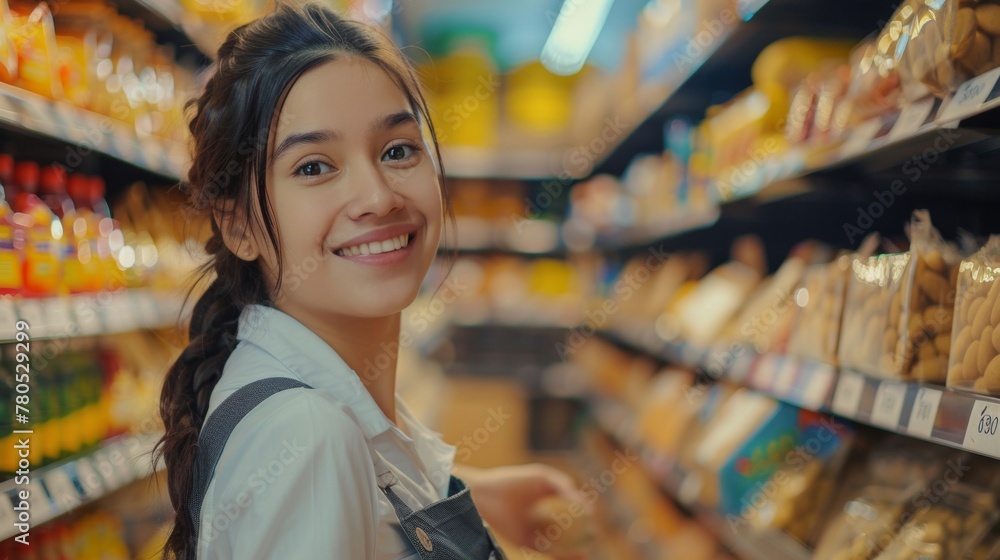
x=425, y=541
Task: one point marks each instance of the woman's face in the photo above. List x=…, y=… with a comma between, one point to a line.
x=354, y=194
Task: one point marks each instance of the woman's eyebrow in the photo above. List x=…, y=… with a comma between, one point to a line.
x=391, y=121
x=311, y=137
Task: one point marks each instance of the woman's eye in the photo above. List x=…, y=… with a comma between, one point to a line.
x=313, y=168
x=398, y=153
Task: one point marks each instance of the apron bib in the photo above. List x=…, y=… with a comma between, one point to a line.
x=449, y=529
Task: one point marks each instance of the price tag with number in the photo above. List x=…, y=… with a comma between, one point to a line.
x=924, y=412
x=847, y=397
x=62, y=490
x=860, y=138
x=911, y=118
x=970, y=96
x=981, y=435
x=888, y=406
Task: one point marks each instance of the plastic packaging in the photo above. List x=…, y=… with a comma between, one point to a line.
x=949, y=529
x=11, y=242
x=974, y=362
x=950, y=41
x=898, y=314
x=43, y=233
x=36, y=50
x=821, y=301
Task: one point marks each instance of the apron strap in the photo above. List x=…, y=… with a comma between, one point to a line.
x=386, y=480
x=216, y=431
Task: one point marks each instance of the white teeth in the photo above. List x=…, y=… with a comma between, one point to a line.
x=376, y=247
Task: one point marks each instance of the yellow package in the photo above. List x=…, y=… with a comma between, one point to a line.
x=35, y=40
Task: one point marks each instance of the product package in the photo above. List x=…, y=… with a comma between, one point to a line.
x=898, y=314
x=821, y=307
x=753, y=442
x=950, y=41
x=949, y=528
x=974, y=362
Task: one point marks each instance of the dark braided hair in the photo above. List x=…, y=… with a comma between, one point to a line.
x=231, y=126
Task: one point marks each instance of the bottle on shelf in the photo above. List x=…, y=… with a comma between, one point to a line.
x=11, y=266
x=84, y=274
x=36, y=49
x=43, y=233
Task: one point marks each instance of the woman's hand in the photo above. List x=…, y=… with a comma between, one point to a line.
x=535, y=506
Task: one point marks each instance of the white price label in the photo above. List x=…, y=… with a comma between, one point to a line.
x=888, y=405
x=924, y=412
x=118, y=314
x=31, y=312
x=817, y=386
x=87, y=318
x=38, y=501
x=62, y=490
x=788, y=372
x=970, y=96
x=860, y=138
x=89, y=479
x=911, y=118
x=8, y=318
x=59, y=316
x=7, y=515
x=765, y=373
x=847, y=397
x=981, y=435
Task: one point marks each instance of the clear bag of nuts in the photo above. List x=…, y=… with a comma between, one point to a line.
x=865, y=525
x=949, y=527
x=974, y=363
x=820, y=299
x=898, y=314
x=950, y=42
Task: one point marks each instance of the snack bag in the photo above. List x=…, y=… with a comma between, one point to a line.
x=821, y=306
x=950, y=41
x=974, y=364
x=898, y=314
x=950, y=528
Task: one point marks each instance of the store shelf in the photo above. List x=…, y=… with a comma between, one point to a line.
x=89, y=314
x=930, y=412
x=27, y=112
x=615, y=421
x=62, y=487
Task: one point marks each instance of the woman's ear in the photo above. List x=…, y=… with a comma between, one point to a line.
x=236, y=233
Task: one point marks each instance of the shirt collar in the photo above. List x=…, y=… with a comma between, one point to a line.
x=313, y=361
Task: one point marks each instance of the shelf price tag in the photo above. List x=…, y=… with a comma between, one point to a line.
x=765, y=372
x=89, y=479
x=818, y=380
x=970, y=96
x=888, y=405
x=860, y=138
x=62, y=490
x=924, y=412
x=784, y=380
x=59, y=315
x=30, y=310
x=8, y=317
x=911, y=118
x=41, y=506
x=981, y=434
x=88, y=321
x=847, y=397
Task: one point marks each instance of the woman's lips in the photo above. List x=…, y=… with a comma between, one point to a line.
x=385, y=256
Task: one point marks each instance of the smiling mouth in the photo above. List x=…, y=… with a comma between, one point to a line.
x=397, y=243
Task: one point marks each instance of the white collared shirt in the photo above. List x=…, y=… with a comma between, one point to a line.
x=296, y=478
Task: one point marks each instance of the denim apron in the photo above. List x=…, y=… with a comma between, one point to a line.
x=450, y=529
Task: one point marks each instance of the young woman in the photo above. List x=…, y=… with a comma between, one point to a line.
x=315, y=160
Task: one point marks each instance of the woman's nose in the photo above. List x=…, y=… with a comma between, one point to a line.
x=374, y=194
